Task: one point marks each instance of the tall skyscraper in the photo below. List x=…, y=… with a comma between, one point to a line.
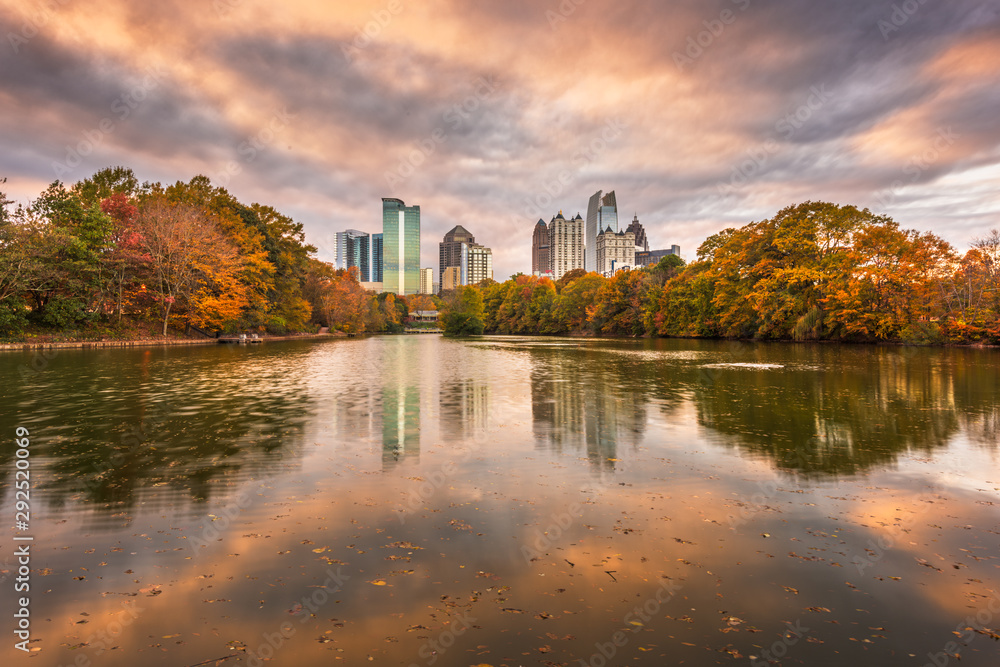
x=354, y=249
x=601, y=214
x=460, y=250
x=641, y=244
x=376, y=258
x=565, y=244
x=453, y=251
x=540, y=262
x=400, y=247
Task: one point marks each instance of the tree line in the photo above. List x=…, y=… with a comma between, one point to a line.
x=815, y=271
x=112, y=257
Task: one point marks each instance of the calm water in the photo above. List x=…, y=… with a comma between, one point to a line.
x=413, y=500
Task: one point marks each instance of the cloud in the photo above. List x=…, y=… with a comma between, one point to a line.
x=483, y=112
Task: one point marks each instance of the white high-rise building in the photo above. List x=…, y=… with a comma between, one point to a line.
x=565, y=245
x=426, y=281
x=480, y=264
x=615, y=251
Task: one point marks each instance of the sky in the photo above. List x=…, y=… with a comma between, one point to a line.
x=493, y=114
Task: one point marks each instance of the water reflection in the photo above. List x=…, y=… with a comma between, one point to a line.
x=811, y=410
x=579, y=407
x=112, y=423
x=423, y=468
x=464, y=408
x=192, y=422
x=400, y=425
x=841, y=411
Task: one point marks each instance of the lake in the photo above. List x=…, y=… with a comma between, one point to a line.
x=415, y=500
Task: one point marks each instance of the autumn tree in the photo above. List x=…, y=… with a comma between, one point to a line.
x=191, y=260
x=987, y=249
x=568, y=277
x=618, y=304
x=494, y=295
x=420, y=302
x=125, y=257
x=317, y=276
x=345, y=302
x=527, y=306
x=287, y=251
x=888, y=288
x=686, y=304
x=392, y=312
x=247, y=307
x=576, y=301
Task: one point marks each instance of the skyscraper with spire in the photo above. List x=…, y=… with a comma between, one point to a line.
x=540, y=262
x=641, y=244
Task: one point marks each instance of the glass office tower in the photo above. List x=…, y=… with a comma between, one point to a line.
x=353, y=250
x=601, y=214
x=400, y=247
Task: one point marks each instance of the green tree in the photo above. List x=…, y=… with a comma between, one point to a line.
x=14, y=269
x=463, y=312
x=494, y=296
x=106, y=183
x=69, y=281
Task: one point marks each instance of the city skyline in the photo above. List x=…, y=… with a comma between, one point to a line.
x=459, y=250
x=717, y=114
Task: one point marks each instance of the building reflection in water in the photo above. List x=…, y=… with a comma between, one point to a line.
x=410, y=378
x=464, y=406
x=584, y=410
x=400, y=425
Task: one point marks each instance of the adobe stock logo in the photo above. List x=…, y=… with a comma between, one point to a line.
x=900, y=16
x=697, y=44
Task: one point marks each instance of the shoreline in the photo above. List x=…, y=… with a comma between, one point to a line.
x=158, y=342
x=144, y=342
x=976, y=345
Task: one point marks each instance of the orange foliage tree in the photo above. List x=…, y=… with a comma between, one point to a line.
x=190, y=260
